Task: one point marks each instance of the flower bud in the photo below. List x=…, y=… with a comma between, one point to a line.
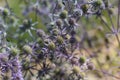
x=40, y=33
x=76, y=69
x=59, y=71
x=97, y=3
x=14, y=51
x=60, y=5
x=63, y=14
x=46, y=42
x=55, y=32
x=27, y=49
x=40, y=42
x=67, y=36
x=59, y=22
x=25, y=22
x=60, y=39
x=72, y=40
x=82, y=60
x=84, y=8
x=71, y=21
x=12, y=19
x=107, y=57
x=51, y=45
x=90, y=66
x=73, y=33
x=5, y=12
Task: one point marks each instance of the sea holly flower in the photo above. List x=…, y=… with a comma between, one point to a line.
x=77, y=13
x=14, y=51
x=90, y=66
x=63, y=14
x=84, y=8
x=5, y=12
x=55, y=53
x=76, y=69
x=45, y=69
x=72, y=40
x=59, y=23
x=27, y=26
x=40, y=33
x=60, y=40
x=71, y=21
x=82, y=60
x=55, y=32
x=27, y=49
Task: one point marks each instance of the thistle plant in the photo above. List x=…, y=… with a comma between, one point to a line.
x=61, y=50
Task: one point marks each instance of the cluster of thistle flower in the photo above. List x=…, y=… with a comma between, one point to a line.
x=53, y=55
